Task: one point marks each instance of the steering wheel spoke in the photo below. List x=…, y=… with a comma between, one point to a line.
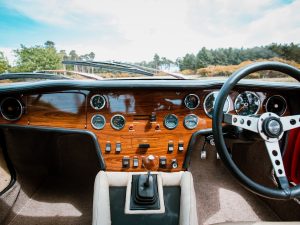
x=245, y=122
x=277, y=163
x=290, y=122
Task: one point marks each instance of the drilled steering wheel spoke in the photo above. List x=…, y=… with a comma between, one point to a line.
x=290, y=122
x=245, y=122
x=277, y=163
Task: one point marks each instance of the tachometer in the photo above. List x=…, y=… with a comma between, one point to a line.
x=209, y=103
x=171, y=121
x=191, y=121
x=247, y=103
x=118, y=122
x=191, y=101
x=97, y=102
x=276, y=104
x=98, y=122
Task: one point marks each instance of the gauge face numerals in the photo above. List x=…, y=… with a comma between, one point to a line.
x=276, y=104
x=191, y=101
x=191, y=121
x=171, y=121
x=247, y=103
x=97, y=102
x=118, y=122
x=209, y=103
x=98, y=122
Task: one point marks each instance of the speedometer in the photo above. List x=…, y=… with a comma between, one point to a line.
x=171, y=121
x=209, y=103
x=118, y=122
x=247, y=103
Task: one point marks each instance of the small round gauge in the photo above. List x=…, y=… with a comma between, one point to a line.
x=247, y=103
x=191, y=101
x=191, y=121
x=118, y=122
x=276, y=104
x=97, y=102
x=209, y=103
x=171, y=121
x=98, y=122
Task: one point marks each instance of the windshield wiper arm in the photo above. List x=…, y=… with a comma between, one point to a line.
x=32, y=75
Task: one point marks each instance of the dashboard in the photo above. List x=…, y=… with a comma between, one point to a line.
x=132, y=123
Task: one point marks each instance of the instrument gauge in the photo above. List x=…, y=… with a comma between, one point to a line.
x=209, y=103
x=171, y=121
x=11, y=109
x=191, y=101
x=97, y=102
x=118, y=122
x=276, y=104
x=98, y=122
x=191, y=121
x=247, y=103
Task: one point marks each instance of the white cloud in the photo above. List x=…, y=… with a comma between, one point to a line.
x=134, y=30
x=9, y=54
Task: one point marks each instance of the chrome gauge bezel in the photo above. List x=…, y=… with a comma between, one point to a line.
x=259, y=106
x=171, y=128
x=205, y=99
x=185, y=101
x=280, y=96
x=187, y=127
x=91, y=102
x=113, y=126
x=21, y=106
x=93, y=125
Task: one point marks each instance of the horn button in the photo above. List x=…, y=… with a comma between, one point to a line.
x=272, y=127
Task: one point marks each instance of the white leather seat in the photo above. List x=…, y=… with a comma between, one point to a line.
x=101, y=203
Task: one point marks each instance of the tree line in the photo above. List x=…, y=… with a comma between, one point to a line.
x=47, y=57
x=234, y=56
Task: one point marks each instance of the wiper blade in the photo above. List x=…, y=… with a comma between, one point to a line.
x=112, y=66
x=32, y=75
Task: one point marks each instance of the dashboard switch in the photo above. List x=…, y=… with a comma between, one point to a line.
x=180, y=147
x=126, y=162
x=118, y=147
x=135, y=162
x=170, y=147
x=108, y=147
x=162, y=162
x=174, y=163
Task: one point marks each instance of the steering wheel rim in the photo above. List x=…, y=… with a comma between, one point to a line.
x=218, y=116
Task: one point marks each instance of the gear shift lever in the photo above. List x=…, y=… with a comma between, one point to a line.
x=145, y=190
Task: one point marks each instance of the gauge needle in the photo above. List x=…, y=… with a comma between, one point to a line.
x=241, y=108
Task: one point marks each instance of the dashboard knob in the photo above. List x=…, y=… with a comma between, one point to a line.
x=150, y=163
x=174, y=164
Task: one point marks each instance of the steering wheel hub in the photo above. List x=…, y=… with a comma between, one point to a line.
x=272, y=127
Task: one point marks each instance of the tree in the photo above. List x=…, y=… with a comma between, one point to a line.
x=37, y=58
x=49, y=44
x=4, y=65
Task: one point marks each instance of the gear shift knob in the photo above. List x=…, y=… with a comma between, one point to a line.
x=150, y=163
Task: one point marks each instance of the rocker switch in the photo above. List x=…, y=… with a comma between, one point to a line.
x=118, y=147
x=170, y=147
x=108, y=147
x=180, y=147
x=126, y=162
x=135, y=162
x=162, y=162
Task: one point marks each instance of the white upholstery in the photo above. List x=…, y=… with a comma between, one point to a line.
x=101, y=205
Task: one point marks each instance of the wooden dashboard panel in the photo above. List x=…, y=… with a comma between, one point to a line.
x=72, y=110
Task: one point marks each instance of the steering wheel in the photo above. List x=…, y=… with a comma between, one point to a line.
x=268, y=125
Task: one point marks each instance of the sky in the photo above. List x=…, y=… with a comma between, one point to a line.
x=134, y=30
